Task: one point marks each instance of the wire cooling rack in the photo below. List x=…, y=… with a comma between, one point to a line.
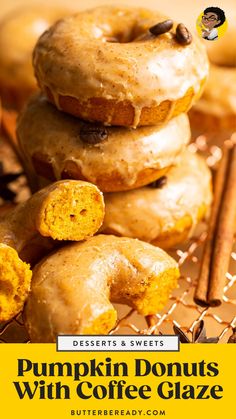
x=181, y=310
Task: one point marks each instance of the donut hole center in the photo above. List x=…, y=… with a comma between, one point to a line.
x=127, y=36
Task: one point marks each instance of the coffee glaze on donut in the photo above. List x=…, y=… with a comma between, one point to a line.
x=167, y=215
x=127, y=159
x=104, y=65
x=73, y=289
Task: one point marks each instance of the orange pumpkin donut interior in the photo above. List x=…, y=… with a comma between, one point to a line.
x=66, y=210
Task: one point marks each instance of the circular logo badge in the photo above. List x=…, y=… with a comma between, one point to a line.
x=211, y=24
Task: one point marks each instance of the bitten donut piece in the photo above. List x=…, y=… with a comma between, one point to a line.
x=66, y=210
x=70, y=210
x=72, y=289
x=105, y=65
x=19, y=31
x=164, y=213
x=15, y=277
x=118, y=159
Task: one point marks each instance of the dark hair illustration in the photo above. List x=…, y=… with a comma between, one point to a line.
x=219, y=12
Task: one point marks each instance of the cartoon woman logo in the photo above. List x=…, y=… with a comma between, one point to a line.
x=209, y=22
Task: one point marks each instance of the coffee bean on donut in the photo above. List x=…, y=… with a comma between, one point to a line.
x=127, y=159
x=159, y=183
x=93, y=134
x=100, y=93
x=183, y=36
x=161, y=27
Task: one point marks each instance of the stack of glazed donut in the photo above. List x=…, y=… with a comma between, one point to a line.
x=116, y=85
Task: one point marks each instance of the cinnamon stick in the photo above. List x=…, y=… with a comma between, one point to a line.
x=218, y=246
x=224, y=234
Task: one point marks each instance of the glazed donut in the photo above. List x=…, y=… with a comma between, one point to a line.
x=166, y=212
x=19, y=32
x=66, y=210
x=216, y=110
x=104, y=65
x=72, y=289
x=125, y=159
x=223, y=52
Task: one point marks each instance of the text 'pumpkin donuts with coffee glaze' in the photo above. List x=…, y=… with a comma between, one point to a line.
x=73, y=289
x=105, y=65
x=19, y=32
x=164, y=213
x=59, y=146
